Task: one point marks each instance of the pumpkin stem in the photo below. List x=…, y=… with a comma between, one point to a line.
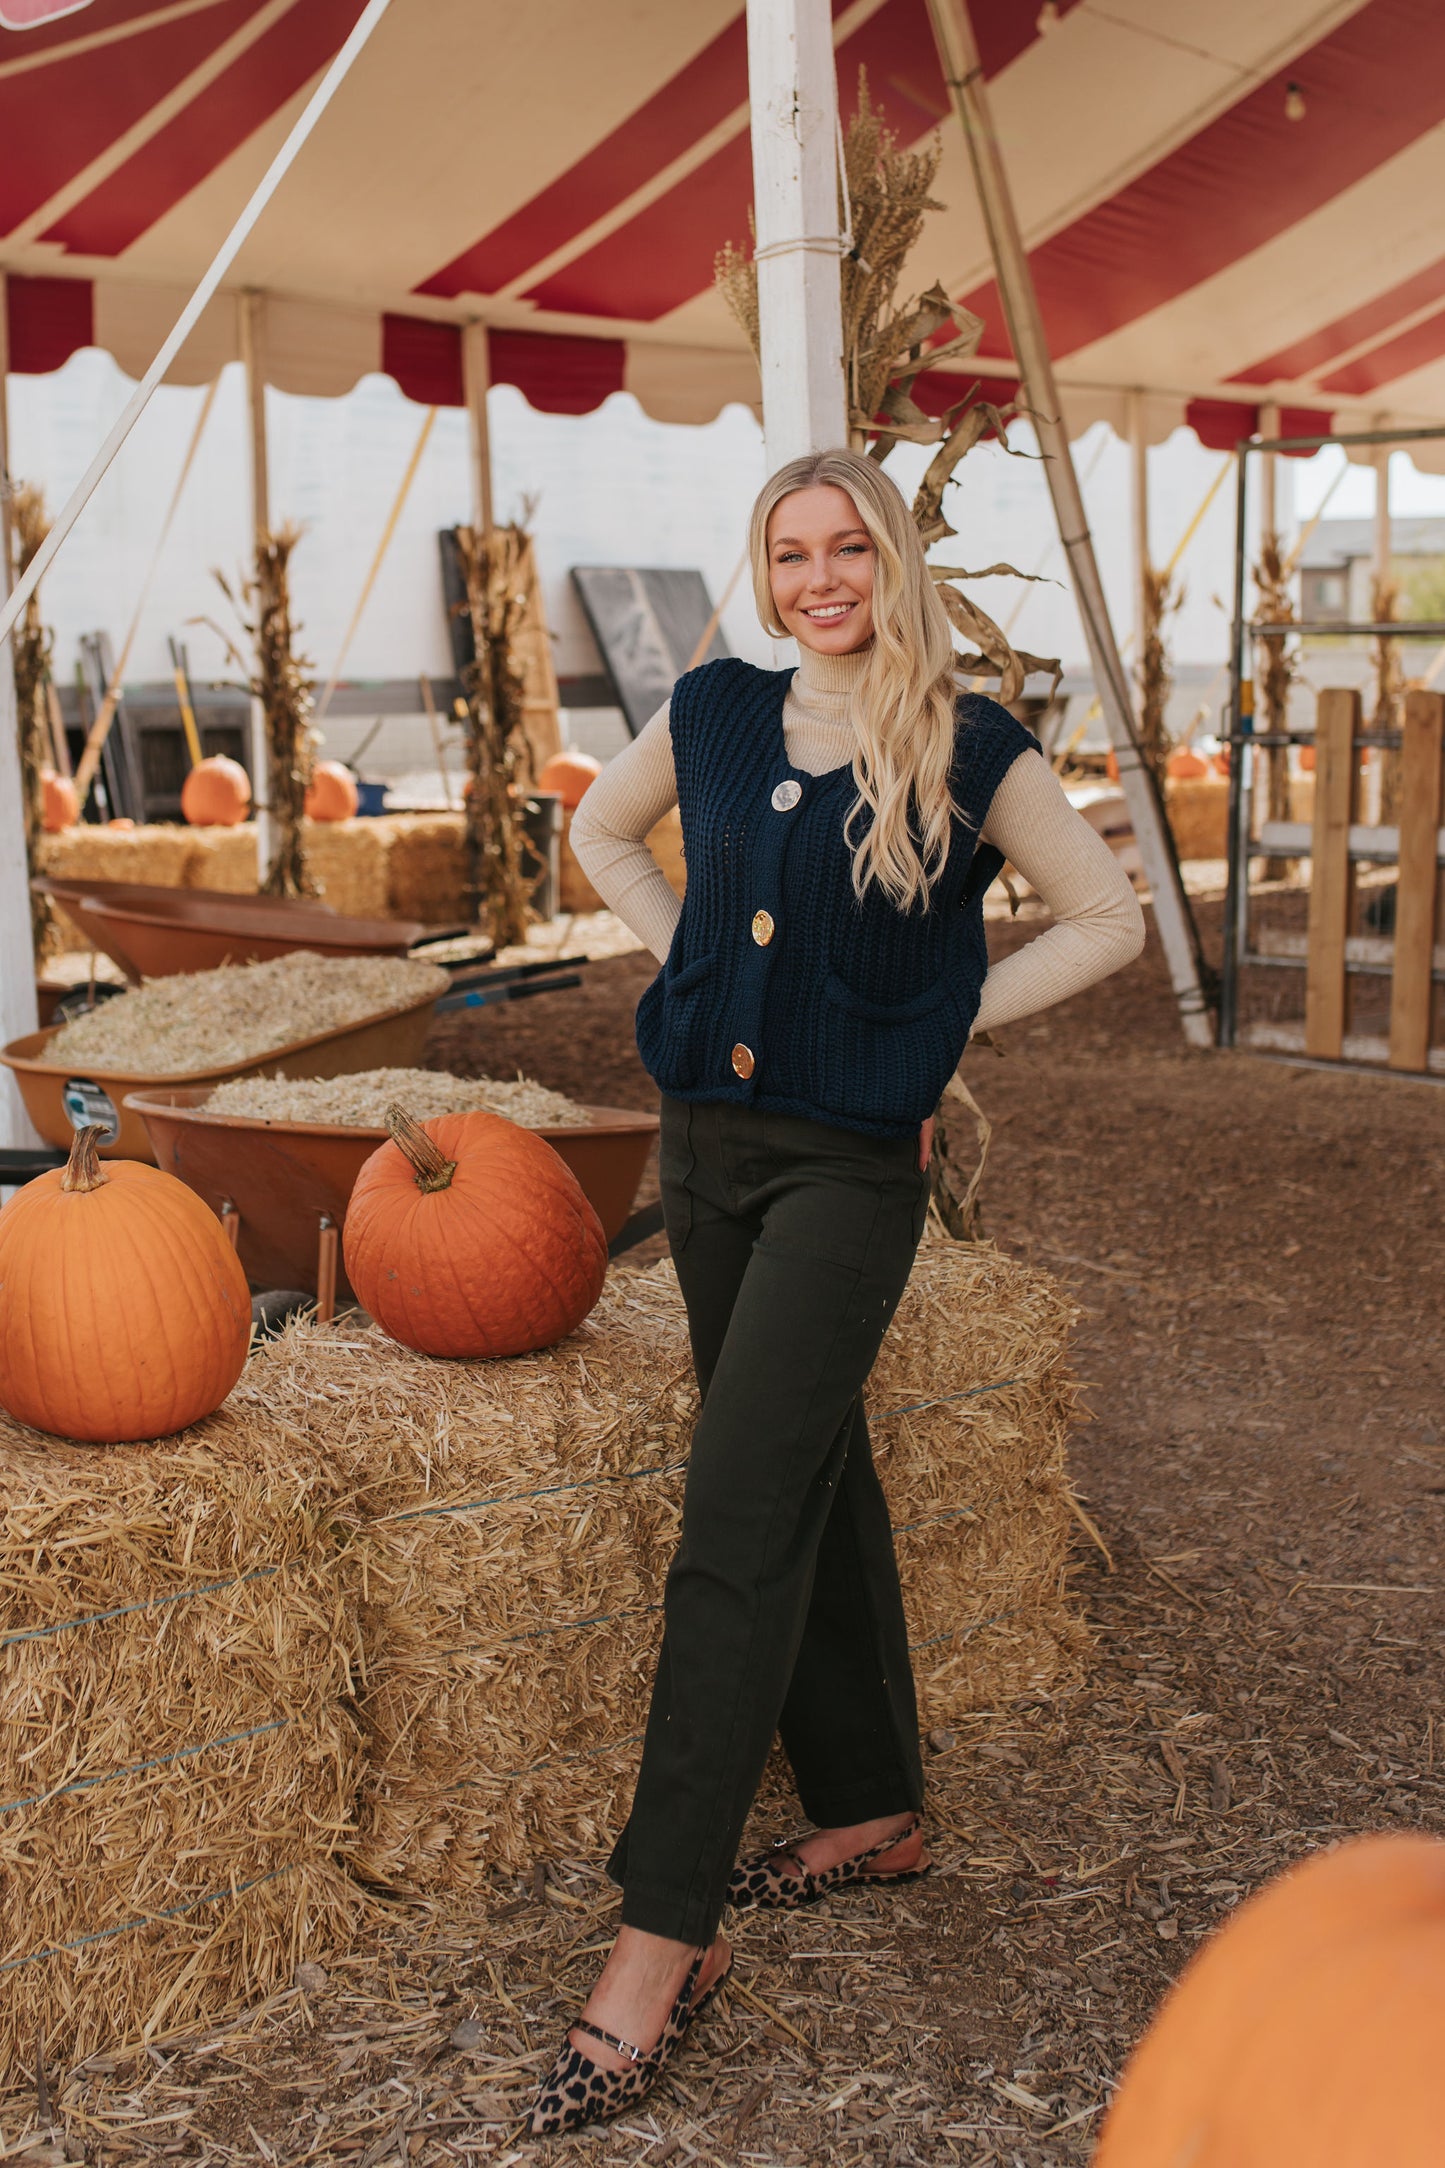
x=432, y=1171
x=83, y=1170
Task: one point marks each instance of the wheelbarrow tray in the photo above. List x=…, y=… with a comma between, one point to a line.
x=190, y=929
x=79, y=900
x=284, y=1178
x=390, y=1039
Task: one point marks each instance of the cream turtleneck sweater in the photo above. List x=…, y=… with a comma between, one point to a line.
x=1097, y=927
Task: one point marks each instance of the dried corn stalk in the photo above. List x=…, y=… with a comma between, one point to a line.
x=499, y=569
x=886, y=346
x=1389, y=688
x=1162, y=597
x=281, y=680
x=1275, y=672
x=31, y=643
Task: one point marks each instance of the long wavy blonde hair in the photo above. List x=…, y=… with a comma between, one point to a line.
x=904, y=712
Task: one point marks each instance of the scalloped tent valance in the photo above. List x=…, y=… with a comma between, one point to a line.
x=1224, y=206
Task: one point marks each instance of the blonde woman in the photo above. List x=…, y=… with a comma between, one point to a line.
x=818, y=987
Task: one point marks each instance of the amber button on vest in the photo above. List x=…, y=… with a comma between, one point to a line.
x=763, y=928
x=743, y=1061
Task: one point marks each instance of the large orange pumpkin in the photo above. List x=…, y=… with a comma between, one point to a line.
x=331, y=795
x=469, y=1236
x=1308, y=2034
x=216, y=793
x=124, y=1312
x=569, y=774
x=59, y=802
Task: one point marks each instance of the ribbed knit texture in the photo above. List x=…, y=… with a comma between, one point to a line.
x=854, y=1013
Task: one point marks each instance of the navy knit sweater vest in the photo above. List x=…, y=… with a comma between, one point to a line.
x=782, y=988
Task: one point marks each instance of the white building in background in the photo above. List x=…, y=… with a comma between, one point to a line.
x=612, y=487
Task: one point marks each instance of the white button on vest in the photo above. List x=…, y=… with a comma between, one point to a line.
x=786, y=796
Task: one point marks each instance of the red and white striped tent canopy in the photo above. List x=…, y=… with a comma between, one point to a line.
x=566, y=169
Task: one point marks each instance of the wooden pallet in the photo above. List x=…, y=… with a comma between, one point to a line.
x=1336, y=844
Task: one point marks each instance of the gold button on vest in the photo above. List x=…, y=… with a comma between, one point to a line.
x=743, y=1061
x=763, y=928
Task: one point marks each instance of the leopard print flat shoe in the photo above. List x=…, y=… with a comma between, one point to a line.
x=579, y=2092
x=778, y=1880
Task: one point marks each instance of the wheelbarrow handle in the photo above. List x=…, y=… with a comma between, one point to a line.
x=504, y=974
x=20, y=1165
x=485, y=998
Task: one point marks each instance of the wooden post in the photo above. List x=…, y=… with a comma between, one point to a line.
x=1332, y=878
x=794, y=99
x=477, y=381
x=1417, y=895
x=963, y=74
x=18, y=1010
x=252, y=307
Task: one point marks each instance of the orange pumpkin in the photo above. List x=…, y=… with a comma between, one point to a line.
x=216, y=793
x=469, y=1236
x=569, y=774
x=124, y=1312
x=1187, y=766
x=331, y=794
x=1111, y=765
x=59, y=802
x=1307, y=760
x=1308, y=2031
x=122, y=821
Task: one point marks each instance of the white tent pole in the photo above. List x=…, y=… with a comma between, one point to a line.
x=477, y=382
x=18, y=1011
x=794, y=98
x=1139, y=454
x=963, y=73
x=185, y=323
x=251, y=320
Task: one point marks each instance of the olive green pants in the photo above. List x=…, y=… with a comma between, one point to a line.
x=793, y=1242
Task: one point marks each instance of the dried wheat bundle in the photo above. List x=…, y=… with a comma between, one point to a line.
x=884, y=199
x=208, y=1019
x=360, y=1101
x=500, y=570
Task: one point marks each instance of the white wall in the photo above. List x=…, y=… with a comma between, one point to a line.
x=608, y=487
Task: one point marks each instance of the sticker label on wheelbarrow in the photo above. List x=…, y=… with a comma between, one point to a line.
x=87, y=1105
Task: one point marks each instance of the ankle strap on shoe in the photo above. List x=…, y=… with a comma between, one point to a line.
x=609, y=2040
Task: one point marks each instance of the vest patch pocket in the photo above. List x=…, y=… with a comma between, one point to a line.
x=885, y=1012
x=691, y=975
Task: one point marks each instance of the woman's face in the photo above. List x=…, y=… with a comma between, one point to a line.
x=820, y=563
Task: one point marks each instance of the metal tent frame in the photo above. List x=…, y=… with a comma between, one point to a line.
x=1244, y=740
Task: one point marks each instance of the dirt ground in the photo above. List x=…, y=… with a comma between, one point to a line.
x=1257, y=1249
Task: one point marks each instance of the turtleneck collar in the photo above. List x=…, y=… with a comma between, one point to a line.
x=826, y=681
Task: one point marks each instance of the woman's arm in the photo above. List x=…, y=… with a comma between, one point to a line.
x=1098, y=925
x=610, y=829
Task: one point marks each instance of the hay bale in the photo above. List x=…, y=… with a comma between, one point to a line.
x=176, y=1768
x=426, y=866
x=513, y=1572
x=225, y=860
x=1198, y=809
x=157, y=852
x=348, y=861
